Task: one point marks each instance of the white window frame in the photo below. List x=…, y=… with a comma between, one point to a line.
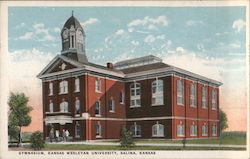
x=77, y=84
x=99, y=106
x=156, y=128
x=77, y=102
x=204, y=97
x=50, y=88
x=214, y=99
x=122, y=97
x=51, y=105
x=180, y=86
x=135, y=128
x=193, y=95
x=112, y=102
x=193, y=129
x=204, y=130
x=98, y=85
x=136, y=87
x=158, y=85
x=64, y=106
x=214, y=130
x=63, y=87
x=180, y=133
x=99, y=129
x=77, y=125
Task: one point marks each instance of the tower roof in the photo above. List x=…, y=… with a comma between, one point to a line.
x=72, y=21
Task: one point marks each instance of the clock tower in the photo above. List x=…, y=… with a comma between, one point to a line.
x=73, y=40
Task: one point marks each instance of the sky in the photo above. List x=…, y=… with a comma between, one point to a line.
x=210, y=41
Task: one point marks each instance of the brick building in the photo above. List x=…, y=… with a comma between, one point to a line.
x=149, y=97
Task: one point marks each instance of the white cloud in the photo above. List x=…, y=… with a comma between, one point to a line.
x=40, y=30
x=180, y=50
x=26, y=36
x=136, y=43
x=238, y=25
x=149, y=23
x=235, y=45
x=131, y=30
x=57, y=30
x=149, y=39
x=119, y=32
x=193, y=23
x=90, y=21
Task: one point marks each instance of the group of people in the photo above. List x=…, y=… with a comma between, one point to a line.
x=55, y=135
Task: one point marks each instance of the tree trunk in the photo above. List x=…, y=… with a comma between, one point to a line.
x=19, y=137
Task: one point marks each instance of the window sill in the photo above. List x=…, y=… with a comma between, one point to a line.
x=136, y=135
x=77, y=115
x=111, y=111
x=180, y=104
x=180, y=135
x=63, y=93
x=214, y=134
x=204, y=107
x=157, y=135
x=214, y=109
x=50, y=95
x=122, y=103
x=77, y=136
x=98, y=136
x=204, y=135
x=193, y=106
x=155, y=105
x=193, y=135
x=98, y=91
x=137, y=106
x=97, y=115
x=77, y=91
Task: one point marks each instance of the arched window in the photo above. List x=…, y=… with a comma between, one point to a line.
x=77, y=106
x=193, y=130
x=98, y=130
x=204, y=130
x=77, y=85
x=136, y=130
x=64, y=106
x=157, y=92
x=204, y=97
x=135, y=95
x=193, y=95
x=214, y=130
x=180, y=92
x=50, y=88
x=214, y=98
x=98, y=108
x=63, y=87
x=158, y=130
x=180, y=129
x=121, y=97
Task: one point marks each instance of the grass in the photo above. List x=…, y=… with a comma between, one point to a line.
x=108, y=147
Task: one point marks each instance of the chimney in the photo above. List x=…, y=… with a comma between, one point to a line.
x=110, y=65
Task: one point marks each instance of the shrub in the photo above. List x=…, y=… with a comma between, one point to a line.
x=126, y=138
x=36, y=139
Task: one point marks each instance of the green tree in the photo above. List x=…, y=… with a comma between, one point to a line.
x=126, y=138
x=223, y=121
x=36, y=139
x=18, y=113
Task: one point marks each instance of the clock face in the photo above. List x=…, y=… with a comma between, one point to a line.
x=65, y=33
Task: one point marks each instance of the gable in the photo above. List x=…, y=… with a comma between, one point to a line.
x=58, y=64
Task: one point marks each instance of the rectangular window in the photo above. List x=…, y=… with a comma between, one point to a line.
x=98, y=85
x=214, y=99
x=136, y=130
x=111, y=105
x=98, y=108
x=214, y=130
x=77, y=85
x=77, y=106
x=135, y=95
x=63, y=87
x=78, y=129
x=204, y=97
x=157, y=92
x=121, y=97
x=180, y=92
x=50, y=88
x=193, y=95
x=193, y=130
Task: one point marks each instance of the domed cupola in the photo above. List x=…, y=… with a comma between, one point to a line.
x=73, y=40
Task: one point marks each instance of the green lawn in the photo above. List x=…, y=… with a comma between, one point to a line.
x=99, y=147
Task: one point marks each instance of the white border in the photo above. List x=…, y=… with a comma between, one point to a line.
x=4, y=84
